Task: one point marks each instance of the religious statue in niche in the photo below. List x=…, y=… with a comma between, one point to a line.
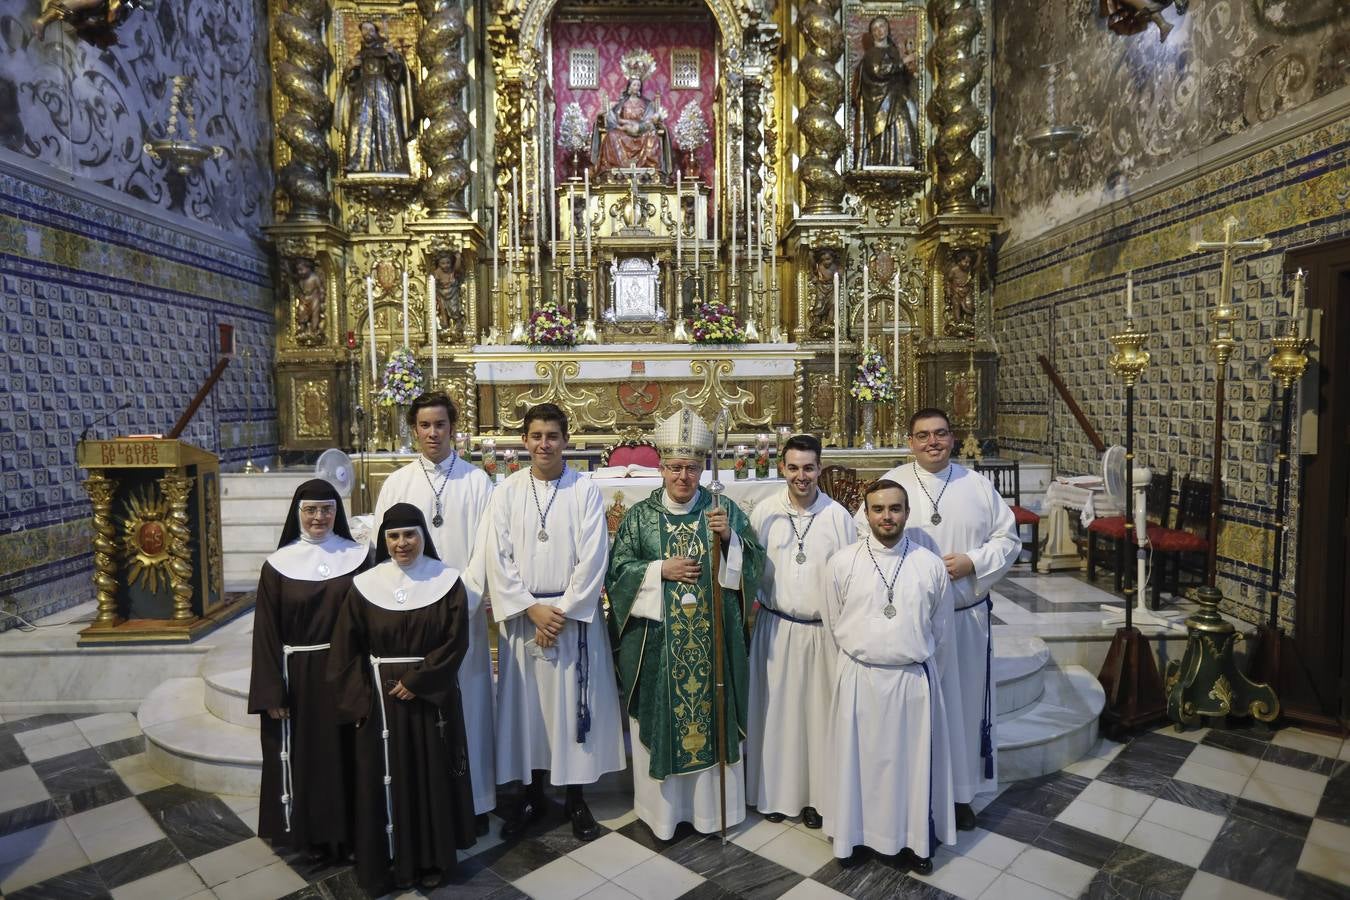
x=1129, y=17
x=449, y=277
x=631, y=133
x=961, y=291
x=379, y=107
x=95, y=21
x=886, y=133
x=308, y=305
x=824, y=266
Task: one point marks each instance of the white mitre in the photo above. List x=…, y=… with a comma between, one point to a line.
x=683, y=436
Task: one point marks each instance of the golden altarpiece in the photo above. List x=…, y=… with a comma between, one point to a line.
x=445, y=170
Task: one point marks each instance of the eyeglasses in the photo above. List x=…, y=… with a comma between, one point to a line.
x=679, y=471
x=325, y=510
x=940, y=434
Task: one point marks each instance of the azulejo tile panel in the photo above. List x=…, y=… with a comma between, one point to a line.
x=1063, y=296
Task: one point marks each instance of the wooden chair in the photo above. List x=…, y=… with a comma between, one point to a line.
x=843, y=486
x=1157, y=497
x=1171, y=546
x=1007, y=480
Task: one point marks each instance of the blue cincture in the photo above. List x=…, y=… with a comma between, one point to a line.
x=782, y=615
x=987, y=723
x=583, y=674
x=932, y=733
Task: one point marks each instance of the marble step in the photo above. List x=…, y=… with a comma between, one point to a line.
x=1019, y=672
x=226, y=672
x=241, y=569
x=265, y=485
x=186, y=743
x=1057, y=730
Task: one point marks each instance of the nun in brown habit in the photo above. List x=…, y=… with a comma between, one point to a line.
x=305, y=798
x=399, y=641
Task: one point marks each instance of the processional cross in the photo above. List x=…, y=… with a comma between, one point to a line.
x=1222, y=343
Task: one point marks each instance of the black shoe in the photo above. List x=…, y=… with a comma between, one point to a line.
x=965, y=817
x=860, y=855
x=482, y=824
x=529, y=811
x=922, y=865
x=774, y=817
x=811, y=818
x=584, y=826
x=430, y=880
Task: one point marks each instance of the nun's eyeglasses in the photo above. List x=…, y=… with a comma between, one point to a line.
x=324, y=510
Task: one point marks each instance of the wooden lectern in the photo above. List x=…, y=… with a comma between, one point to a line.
x=158, y=568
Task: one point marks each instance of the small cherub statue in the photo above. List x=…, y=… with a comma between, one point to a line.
x=309, y=312
x=449, y=294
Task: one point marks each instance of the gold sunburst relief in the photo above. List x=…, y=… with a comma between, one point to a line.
x=145, y=539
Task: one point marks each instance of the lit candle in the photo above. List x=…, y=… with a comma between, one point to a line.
x=433, y=324
x=895, y=323
x=370, y=319
x=836, y=328
x=586, y=216
x=571, y=225
x=867, y=300
x=405, y=307
x=679, y=222
x=1129, y=294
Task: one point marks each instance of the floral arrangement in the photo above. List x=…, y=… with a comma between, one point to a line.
x=691, y=132
x=573, y=135
x=874, y=382
x=551, y=327
x=403, y=379
x=715, y=323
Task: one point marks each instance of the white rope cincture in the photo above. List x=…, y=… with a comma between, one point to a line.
x=287, y=797
x=375, y=662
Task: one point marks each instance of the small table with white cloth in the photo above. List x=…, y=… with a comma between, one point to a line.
x=1085, y=494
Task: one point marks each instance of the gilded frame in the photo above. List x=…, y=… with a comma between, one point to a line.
x=908, y=22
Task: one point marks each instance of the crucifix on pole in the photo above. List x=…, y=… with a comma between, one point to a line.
x=1207, y=681
x=1222, y=343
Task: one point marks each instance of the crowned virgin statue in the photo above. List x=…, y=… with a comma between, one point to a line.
x=632, y=132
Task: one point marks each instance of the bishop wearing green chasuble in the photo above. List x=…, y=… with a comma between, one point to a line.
x=660, y=588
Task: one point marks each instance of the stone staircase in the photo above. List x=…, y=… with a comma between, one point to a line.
x=252, y=511
x=199, y=732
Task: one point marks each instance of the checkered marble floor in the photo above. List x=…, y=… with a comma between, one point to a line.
x=1225, y=814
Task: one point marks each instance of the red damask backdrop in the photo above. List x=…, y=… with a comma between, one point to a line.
x=612, y=39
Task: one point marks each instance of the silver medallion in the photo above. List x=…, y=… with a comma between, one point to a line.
x=437, y=521
x=688, y=600
x=801, y=557
x=401, y=595
x=324, y=570
x=543, y=536
x=936, y=519
x=889, y=610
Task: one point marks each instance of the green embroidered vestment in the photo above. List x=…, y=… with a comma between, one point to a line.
x=666, y=668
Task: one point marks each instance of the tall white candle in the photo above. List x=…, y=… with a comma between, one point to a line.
x=496, y=246
x=895, y=325
x=749, y=231
x=515, y=218
x=836, y=328
x=434, y=326
x=571, y=224
x=405, y=307
x=370, y=320
x=1129, y=294
x=867, y=301
x=1298, y=292
x=679, y=221
x=731, y=196
x=586, y=216
x=695, y=238
x=717, y=225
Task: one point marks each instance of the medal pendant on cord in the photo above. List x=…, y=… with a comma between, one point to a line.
x=543, y=536
x=437, y=521
x=936, y=518
x=801, y=556
x=889, y=609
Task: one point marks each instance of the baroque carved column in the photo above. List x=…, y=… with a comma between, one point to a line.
x=753, y=125
x=175, y=488
x=442, y=97
x=824, y=37
x=100, y=490
x=301, y=73
x=957, y=68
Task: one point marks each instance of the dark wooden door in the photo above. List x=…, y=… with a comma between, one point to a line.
x=1321, y=612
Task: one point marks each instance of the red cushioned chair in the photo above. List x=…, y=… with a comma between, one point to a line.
x=1157, y=497
x=630, y=450
x=1171, y=546
x=1007, y=479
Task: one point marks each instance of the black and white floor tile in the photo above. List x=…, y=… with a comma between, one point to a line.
x=1232, y=815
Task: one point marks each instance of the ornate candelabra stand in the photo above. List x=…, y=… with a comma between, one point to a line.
x=1207, y=680
x=1287, y=363
x=517, y=289
x=1129, y=675
x=836, y=438
x=249, y=467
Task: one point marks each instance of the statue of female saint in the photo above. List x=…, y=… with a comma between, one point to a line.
x=379, y=112
x=634, y=135
x=885, y=132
